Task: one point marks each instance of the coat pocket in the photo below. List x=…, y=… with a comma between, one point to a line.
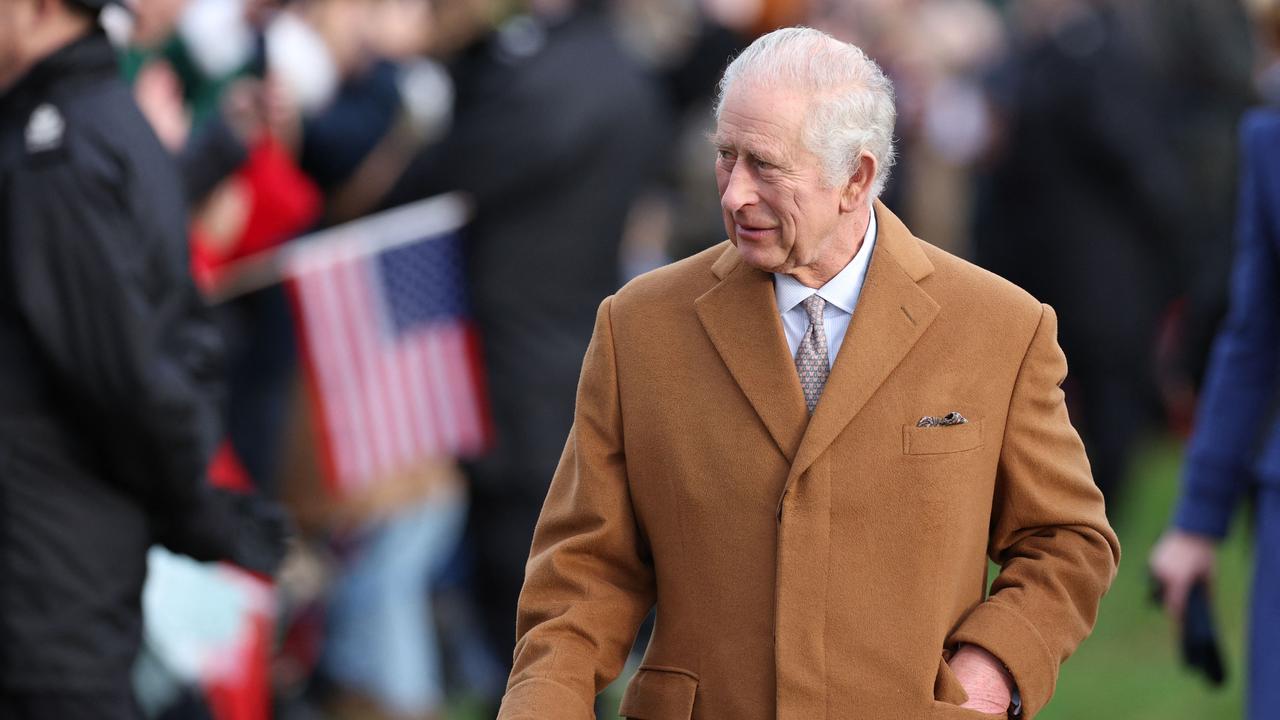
x=941, y=439
x=946, y=687
x=949, y=695
x=660, y=694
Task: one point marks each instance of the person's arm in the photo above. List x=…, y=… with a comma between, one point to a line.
x=589, y=581
x=1049, y=533
x=1241, y=380
x=376, y=174
x=117, y=326
x=136, y=359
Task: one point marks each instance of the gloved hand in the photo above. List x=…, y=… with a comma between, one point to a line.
x=245, y=529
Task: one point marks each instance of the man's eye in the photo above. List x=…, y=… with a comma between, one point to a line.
x=724, y=154
x=764, y=165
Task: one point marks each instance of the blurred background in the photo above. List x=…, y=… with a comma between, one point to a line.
x=1085, y=149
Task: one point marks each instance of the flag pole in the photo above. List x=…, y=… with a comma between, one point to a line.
x=366, y=236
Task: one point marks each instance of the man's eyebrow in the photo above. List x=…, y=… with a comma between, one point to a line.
x=754, y=149
x=767, y=155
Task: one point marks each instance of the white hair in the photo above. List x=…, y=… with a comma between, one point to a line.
x=852, y=110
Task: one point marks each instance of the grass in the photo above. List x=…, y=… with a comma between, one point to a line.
x=1129, y=667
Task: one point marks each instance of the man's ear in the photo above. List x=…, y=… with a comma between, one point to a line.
x=857, y=189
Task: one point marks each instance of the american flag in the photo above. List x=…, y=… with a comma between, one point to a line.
x=392, y=358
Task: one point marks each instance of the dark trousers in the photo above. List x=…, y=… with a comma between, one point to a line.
x=500, y=530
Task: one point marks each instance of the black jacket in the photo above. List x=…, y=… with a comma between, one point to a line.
x=109, y=375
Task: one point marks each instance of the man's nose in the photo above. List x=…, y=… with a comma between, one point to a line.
x=739, y=190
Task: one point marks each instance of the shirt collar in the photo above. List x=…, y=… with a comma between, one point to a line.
x=842, y=290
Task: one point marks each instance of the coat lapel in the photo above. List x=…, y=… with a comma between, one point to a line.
x=740, y=315
x=892, y=313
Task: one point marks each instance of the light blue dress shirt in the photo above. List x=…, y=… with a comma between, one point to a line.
x=841, y=293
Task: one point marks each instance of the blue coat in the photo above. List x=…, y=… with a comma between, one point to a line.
x=1236, y=444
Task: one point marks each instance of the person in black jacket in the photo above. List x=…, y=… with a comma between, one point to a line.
x=109, y=374
x=556, y=131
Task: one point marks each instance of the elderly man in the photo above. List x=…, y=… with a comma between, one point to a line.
x=804, y=444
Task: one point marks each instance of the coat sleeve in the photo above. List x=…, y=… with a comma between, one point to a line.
x=133, y=353
x=1241, y=381
x=1049, y=533
x=589, y=581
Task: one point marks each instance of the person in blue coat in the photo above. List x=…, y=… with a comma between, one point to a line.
x=1235, y=449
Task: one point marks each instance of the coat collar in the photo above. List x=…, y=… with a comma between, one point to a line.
x=741, y=317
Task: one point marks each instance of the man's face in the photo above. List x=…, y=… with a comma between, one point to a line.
x=777, y=209
x=155, y=21
x=17, y=20
x=400, y=29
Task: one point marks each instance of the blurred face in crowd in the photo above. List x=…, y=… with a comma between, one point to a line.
x=401, y=28
x=458, y=23
x=778, y=209
x=1265, y=15
x=345, y=26
x=154, y=21
x=31, y=30
x=17, y=18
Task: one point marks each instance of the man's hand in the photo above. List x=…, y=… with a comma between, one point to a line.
x=1178, y=560
x=984, y=678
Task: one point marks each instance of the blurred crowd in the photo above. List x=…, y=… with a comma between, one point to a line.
x=1084, y=149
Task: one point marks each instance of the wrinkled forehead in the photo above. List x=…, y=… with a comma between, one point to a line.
x=767, y=120
x=768, y=96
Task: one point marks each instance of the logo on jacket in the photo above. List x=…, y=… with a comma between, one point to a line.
x=45, y=129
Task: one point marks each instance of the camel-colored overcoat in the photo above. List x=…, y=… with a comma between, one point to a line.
x=812, y=568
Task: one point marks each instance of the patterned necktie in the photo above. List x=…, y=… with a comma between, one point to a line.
x=811, y=357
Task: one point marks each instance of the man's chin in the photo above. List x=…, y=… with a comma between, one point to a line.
x=766, y=259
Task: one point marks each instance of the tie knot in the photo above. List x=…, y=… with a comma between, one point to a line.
x=813, y=305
